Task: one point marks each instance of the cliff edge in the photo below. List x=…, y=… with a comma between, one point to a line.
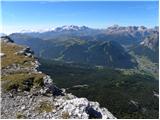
x=29, y=93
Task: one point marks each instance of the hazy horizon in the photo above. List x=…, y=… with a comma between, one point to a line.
x=42, y=15
x=51, y=29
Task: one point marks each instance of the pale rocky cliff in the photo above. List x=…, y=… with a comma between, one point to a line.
x=29, y=93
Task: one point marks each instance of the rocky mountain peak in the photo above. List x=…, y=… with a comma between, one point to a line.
x=128, y=28
x=151, y=41
x=70, y=28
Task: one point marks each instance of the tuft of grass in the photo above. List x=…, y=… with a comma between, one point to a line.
x=22, y=81
x=45, y=106
x=20, y=116
x=65, y=115
x=9, y=49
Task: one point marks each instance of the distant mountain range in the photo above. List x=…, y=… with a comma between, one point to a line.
x=117, y=33
x=105, y=47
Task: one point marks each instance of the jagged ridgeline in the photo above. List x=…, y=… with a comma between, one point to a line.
x=29, y=93
x=102, y=47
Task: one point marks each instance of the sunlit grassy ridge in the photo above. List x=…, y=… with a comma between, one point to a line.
x=9, y=49
x=15, y=81
x=23, y=79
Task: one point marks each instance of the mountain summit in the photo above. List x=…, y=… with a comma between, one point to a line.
x=70, y=28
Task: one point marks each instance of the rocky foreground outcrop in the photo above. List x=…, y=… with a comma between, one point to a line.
x=29, y=93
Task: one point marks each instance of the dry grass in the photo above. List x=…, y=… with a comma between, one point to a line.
x=65, y=115
x=20, y=116
x=9, y=49
x=17, y=80
x=45, y=106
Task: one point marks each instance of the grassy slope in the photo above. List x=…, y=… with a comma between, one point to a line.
x=17, y=78
x=146, y=66
x=9, y=49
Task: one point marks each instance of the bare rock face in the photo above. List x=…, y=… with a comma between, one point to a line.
x=151, y=41
x=6, y=39
x=26, y=51
x=29, y=93
x=81, y=108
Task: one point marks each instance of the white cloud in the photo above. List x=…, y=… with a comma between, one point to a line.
x=8, y=29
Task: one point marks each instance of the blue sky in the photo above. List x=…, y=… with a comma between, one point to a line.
x=17, y=16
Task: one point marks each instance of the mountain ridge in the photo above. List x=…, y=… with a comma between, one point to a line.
x=32, y=94
x=76, y=27
x=99, y=52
